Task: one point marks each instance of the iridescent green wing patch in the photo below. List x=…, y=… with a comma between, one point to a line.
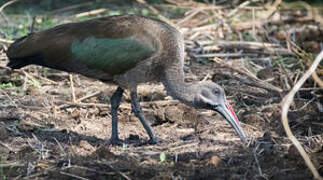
x=114, y=56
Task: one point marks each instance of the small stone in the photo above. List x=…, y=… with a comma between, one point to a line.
x=33, y=91
x=85, y=145
x=214, y=160
x=25, y=125
x=4, y=134
x=173, y=114
x=103, y=152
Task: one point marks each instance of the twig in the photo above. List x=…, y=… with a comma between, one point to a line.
x=206, y=27
x=256, y=159
x=123, y=105
x=258, y=82
x=208, y=19
x=115, y=170
x=300, y=52
x=317, y=79
x=9, y=148
x=272, y=8
x=289, y=82
x=238, y=8
x=7, y=4
x=225, y=55
x=285, y=106
x=238, y=44
x=72, y=88
x=305, y=105
x=154, y=10
x=48, y=80
x=82, y=99
x=6, y=41
x=73, y=175
x=27, y=75
x=89, y=169
x=11, y=165
x=88, y=96
x=60, y=146
x=93, y=12
x=21, y=71
x=188, y=17
x=71, y=7
x=6, y=94
x=67, y=104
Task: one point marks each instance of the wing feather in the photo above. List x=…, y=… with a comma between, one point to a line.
x=114, y=56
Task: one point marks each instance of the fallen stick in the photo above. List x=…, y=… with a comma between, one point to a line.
x=93, y=12
x=72, y=88
x=237, y=44
x=115, y=170
x=317, y=79
x=234, y=11
x=69, y=8
x=188, y=17
x=7, y=4
x=256, y=81
x=31, y=77
x=88, y=96
x=122, y=105
x=287, y=100
x=7, y=95
x=73, y=175
x=225, y=55
x=6, y=41
x=154, y=10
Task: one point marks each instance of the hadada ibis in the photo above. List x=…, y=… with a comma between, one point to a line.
x=125, y=50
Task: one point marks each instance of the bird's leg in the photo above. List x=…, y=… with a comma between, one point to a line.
x=115, y=102
x=72, y=88
x=136, y=108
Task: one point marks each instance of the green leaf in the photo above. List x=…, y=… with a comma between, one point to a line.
x=162, y=157
x=124, y=147
x=145, y=12
x=6, y=85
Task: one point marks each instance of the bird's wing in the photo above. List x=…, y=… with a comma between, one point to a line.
x=111, y=55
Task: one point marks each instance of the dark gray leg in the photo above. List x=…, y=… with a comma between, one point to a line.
x=115, y=102
x=136, y=108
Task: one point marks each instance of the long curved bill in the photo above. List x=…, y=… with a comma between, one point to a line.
x=227, y=112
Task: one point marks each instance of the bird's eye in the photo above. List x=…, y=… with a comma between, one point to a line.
x=216, y=91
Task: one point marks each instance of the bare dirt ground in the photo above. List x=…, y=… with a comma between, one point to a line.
x=43, y=135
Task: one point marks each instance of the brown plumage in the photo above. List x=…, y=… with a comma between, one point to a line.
x=125, y=50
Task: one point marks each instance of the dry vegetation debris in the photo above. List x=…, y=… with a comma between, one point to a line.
x=256, y=50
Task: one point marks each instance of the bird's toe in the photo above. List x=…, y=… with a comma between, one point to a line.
x=155, y=141
x=116, y=141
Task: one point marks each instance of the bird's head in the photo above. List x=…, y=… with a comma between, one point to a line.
x=210, y=95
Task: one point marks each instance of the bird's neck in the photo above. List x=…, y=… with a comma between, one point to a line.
x=177, y=88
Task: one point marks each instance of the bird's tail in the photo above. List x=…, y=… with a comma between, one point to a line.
x=22, y=52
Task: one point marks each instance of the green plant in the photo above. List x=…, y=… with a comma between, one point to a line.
x=45, y=72
x=6, y=85
x=124, y=147
x=162, y=157
x=144, y=12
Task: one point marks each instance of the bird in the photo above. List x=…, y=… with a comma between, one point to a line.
x=124, y=50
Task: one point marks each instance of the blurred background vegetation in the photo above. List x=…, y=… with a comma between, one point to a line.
x=17, y=19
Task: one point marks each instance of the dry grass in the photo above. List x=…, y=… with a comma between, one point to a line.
x=256, y=51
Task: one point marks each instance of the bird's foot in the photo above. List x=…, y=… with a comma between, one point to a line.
x=116, y=141
x=153, y=141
